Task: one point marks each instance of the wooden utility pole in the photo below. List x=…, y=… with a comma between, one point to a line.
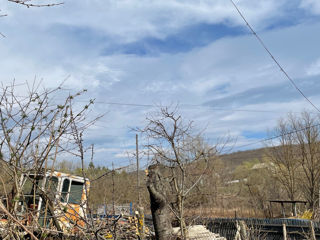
x=113, y=205
x=138, y=179
x=139, y=208
x=113, y=197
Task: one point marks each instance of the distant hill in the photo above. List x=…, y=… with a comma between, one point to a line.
x=235, y=159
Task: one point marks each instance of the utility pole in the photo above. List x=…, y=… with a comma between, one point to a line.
x=113, y=206
x=138, y=179
x=140, y=212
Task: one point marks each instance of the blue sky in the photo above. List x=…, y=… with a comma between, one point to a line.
x=195, y=52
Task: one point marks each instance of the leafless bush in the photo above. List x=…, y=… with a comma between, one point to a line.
x=39, y=127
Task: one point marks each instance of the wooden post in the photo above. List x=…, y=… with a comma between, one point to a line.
x=294, y=209
x=113, y=198
x=313, y=235
x=284, y=231
x=114, y=232
x=243, y=230
x=140, y=209
x=282, y=210
x=237, y=236
x=138, y=179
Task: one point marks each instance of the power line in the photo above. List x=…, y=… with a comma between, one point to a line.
x=253, y=143
x=273, y=58
x=126, y=104
x=277, y=136
x=281, y=135
x=186, y=106
x=109, y=172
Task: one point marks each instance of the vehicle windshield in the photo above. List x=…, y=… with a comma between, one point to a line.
x=32, y=185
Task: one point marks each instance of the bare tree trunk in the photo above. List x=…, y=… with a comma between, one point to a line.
x=159, y=205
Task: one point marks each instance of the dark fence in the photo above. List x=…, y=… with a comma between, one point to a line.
x=262, y=228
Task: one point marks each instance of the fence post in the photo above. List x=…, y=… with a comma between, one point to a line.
x=284, y=230
x=313, y=235
x=241, y=233
x=237, y=236
x=243, y=230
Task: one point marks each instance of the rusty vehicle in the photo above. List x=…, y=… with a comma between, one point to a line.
x=53, y=200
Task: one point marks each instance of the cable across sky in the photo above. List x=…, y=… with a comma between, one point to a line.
x=273, y=58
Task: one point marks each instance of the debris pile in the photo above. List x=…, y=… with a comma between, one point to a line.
x=125, y=228
x=199, y=232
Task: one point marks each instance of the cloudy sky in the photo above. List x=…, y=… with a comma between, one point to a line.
x=197, y=53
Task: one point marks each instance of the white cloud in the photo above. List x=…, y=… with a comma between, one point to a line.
x=225, y=71
x=124, y=154
x=314, y=68
x=131, y=20
x=311, y=5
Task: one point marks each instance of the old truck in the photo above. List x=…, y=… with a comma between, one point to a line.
x=53, y=200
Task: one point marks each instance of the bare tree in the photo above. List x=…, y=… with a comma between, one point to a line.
x=37, y=127
x=307, y=133
x=33, y=3
x=296, y=157
x=283, y=157
x=183, y=153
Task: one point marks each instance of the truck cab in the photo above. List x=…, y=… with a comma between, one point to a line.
x=54, y=199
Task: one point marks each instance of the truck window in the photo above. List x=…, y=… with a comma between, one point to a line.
x=65, y=190
x=75, y=192
x=32, y=185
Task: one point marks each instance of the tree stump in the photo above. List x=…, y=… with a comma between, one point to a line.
x=159, y=204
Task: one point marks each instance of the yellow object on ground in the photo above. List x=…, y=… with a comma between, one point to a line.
x=307, y=215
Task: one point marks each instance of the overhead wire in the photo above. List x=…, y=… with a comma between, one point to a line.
x=256, y=142
x=109, y=172
x=242, y=110
x=271, y=138
x=280, y=135
x=273, y=58
x=187, y=106
x=239, y=110
x=245, y=145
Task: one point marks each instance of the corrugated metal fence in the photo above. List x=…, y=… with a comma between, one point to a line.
x=262, y=228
